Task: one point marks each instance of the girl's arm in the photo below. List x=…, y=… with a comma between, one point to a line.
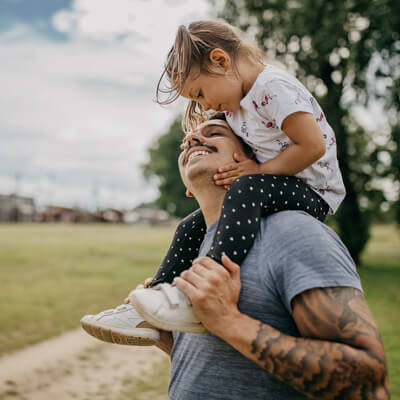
x=308, y=146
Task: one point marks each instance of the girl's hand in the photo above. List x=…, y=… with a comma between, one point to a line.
x=146, y=283
x=243, y=166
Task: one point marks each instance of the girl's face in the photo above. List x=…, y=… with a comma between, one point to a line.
x=220, y=90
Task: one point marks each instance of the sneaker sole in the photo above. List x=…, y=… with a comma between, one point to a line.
x=167, y=325
x=113, y=336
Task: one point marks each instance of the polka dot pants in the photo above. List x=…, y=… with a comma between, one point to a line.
x=248, y=199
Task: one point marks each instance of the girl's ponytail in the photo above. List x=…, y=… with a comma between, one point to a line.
x=192, y=48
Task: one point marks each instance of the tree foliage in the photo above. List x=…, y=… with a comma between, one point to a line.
x=347, y=53
x=163, y=166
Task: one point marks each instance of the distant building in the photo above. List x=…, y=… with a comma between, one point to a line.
x=58, y=214
x=147, y=216
x=113, y=215
x=67, y=215
x=77, y=215
x=15, y=208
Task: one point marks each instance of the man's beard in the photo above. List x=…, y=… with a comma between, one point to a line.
x=200, y=173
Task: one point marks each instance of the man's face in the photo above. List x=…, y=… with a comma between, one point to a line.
x=210, y=147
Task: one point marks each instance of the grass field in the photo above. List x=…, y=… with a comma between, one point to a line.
x=53, y=274
x=50, y=275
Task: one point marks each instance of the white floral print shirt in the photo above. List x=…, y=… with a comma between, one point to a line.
x=275, y=95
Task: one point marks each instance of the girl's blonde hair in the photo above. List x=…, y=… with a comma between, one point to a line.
x=192, y=47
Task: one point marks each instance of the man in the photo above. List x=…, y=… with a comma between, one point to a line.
x=290, y=323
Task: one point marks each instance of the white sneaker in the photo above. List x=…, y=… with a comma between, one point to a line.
x=121, y=325
x=166, y=307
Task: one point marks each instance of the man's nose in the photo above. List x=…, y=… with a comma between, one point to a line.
x=193, y=139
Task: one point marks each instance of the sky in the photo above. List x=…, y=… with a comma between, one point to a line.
x=77, y=109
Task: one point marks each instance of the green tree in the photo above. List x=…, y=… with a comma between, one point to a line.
x=163, y=167
x=395, y=169
x=346, y=53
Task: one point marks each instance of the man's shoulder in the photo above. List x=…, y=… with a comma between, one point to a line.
x=296, y=231
x=291, y=222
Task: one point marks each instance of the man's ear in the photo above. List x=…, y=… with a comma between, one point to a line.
x=189, y=193
x=220, y=58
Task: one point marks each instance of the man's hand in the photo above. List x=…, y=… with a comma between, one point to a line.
x=213, y=290
x=243, y=166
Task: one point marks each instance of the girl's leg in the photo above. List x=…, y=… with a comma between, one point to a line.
x=184, y=248
x=254, y=196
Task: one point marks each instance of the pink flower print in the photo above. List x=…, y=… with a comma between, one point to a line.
x=265, y=101
x=282, y=144
x=228, y=114
x=332, y=142
x=243, y=128
x=325, y=164
x=255, y=105
x=321, y=117
x=325, y=188
x=269, y=124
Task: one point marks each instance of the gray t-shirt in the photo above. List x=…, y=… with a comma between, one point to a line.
x=293, y=252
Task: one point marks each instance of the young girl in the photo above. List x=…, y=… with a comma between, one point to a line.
x=216, y=69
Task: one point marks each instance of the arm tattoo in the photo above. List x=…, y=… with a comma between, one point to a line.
x=340, y=355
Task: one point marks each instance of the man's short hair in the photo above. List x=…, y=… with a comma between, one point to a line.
x=248, y=151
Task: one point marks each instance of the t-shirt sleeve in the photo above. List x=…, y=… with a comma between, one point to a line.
x=313, y=257
x=279, y=98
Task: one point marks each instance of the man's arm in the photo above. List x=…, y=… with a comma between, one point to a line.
x=340, y=356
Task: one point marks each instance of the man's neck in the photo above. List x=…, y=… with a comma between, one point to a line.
x=210, y=199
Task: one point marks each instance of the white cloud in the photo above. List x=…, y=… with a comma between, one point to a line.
x=151, y=21
x=82, y=111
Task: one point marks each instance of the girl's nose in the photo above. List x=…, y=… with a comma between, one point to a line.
x=205, y=106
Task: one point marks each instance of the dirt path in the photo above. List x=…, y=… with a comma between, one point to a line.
x=74, y=366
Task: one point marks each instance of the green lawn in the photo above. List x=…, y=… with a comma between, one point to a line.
x=50, y=275
x=380, y=276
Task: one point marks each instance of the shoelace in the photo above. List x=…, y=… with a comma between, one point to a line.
x=122, y=307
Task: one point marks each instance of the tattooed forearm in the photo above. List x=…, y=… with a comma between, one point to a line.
x=342, y=358
x=320, y=369
x=335, y=313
